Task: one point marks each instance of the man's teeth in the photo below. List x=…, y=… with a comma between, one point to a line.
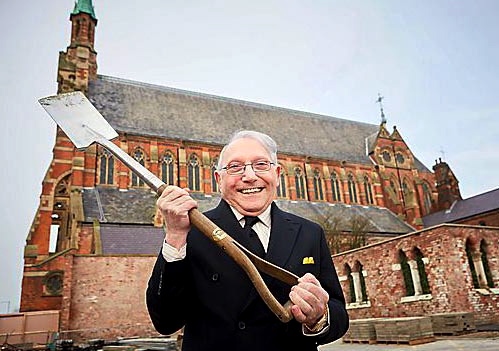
x=250, y=191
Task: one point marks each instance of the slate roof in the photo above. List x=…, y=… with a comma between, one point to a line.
x=479, y=204
x=137, y=207
x=158, y=111
x=381, y=220
x=133, y=239
x=119, y=239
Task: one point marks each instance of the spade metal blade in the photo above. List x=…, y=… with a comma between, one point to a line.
x=78, y=118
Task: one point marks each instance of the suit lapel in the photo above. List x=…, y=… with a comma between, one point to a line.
x=283, y=236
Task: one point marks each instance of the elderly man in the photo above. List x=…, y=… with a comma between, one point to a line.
x=196, y=285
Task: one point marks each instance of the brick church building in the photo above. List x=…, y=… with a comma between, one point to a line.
x=96, y=233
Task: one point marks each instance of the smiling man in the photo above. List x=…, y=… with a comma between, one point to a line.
x=196, y=285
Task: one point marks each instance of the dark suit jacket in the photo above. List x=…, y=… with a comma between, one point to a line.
x=215, y=300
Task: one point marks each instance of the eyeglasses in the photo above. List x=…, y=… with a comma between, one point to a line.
x=239, y=168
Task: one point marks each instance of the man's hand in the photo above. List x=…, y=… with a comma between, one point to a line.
x=309, y=299
x=174, y=204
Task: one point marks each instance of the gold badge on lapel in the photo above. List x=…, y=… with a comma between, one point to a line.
x=308, y=260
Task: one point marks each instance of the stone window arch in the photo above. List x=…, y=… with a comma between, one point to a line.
x=193, y=173
x=282, y=187
x=368, y=190
x=393, y=190
x=478, y=263
x=408, y=192
x=139, y=156
x=352, y=188
x=335, y=187
x=319, y=193
x=359, y=283
x=106, y=167
x=485, y=263
x=167, y=168
x=301, y=192
x=426, y=198
x=424, y=286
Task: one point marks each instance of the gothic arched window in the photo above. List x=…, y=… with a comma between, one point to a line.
x=407, y=191
x=193, y=173
x=423, y=278
x=368, y=190
x=426, y=198
x=335, y=187
x=485, y=264
x=359, y=283
x=167, y=168
x=406, y=273
x=351, y=286
x=352, y=188
x=106, y=167
x=138, y=155
x=319, y=194
x=300, y=184
x=281, y=188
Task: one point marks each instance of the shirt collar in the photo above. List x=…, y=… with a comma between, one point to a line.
x=264, y=217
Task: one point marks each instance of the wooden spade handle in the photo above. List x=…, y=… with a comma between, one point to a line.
x=226, y=243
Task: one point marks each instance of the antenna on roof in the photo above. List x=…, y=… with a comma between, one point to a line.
x=379, y=101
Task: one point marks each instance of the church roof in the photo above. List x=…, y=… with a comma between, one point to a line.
x=157, y=111
x=134, y=210
x=461, y=209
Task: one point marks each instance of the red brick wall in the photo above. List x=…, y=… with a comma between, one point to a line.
x=108, y=297
x=34, y=295
x=490, y=219
x=447, y=269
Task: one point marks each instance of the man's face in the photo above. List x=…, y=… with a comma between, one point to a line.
x=249, y=193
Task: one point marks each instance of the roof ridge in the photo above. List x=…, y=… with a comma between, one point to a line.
x=228, y=99
x=481, y=194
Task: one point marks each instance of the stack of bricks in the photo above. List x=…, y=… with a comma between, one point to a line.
x=406, y=330
x=453, y=323
x=361, y=331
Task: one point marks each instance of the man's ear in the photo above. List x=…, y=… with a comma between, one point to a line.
x=278, y=170
x=218, y=179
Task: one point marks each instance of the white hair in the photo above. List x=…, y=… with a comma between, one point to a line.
x=267, y=142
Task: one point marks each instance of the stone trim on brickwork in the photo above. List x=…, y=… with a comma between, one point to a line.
x=414, y=298
x=357, y=305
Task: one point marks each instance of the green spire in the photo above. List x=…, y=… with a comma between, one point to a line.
x=84, y=6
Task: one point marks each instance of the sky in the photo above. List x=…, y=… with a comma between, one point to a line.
x=436, y=63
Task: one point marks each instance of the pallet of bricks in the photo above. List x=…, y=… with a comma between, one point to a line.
x=453, y=323
x=405, y=330
x=361, y=331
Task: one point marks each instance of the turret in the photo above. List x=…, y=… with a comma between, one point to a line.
x=78, y=64
x=447, y=185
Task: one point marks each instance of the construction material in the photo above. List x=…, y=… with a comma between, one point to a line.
x=361, y=331
x=453, y=323
x=406, y=330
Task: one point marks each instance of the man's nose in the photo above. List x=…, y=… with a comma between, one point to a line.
x=248, y=171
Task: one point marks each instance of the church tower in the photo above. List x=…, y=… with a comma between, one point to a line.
x=52, y=238
x=447, y=185
x=78, y=64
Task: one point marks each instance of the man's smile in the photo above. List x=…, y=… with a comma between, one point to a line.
x=251, y=190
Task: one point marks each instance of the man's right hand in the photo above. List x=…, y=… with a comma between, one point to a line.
x=174, y=204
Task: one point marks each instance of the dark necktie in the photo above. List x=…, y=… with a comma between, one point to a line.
x=255, y=244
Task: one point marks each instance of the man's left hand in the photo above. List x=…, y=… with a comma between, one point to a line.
x=309, y=299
